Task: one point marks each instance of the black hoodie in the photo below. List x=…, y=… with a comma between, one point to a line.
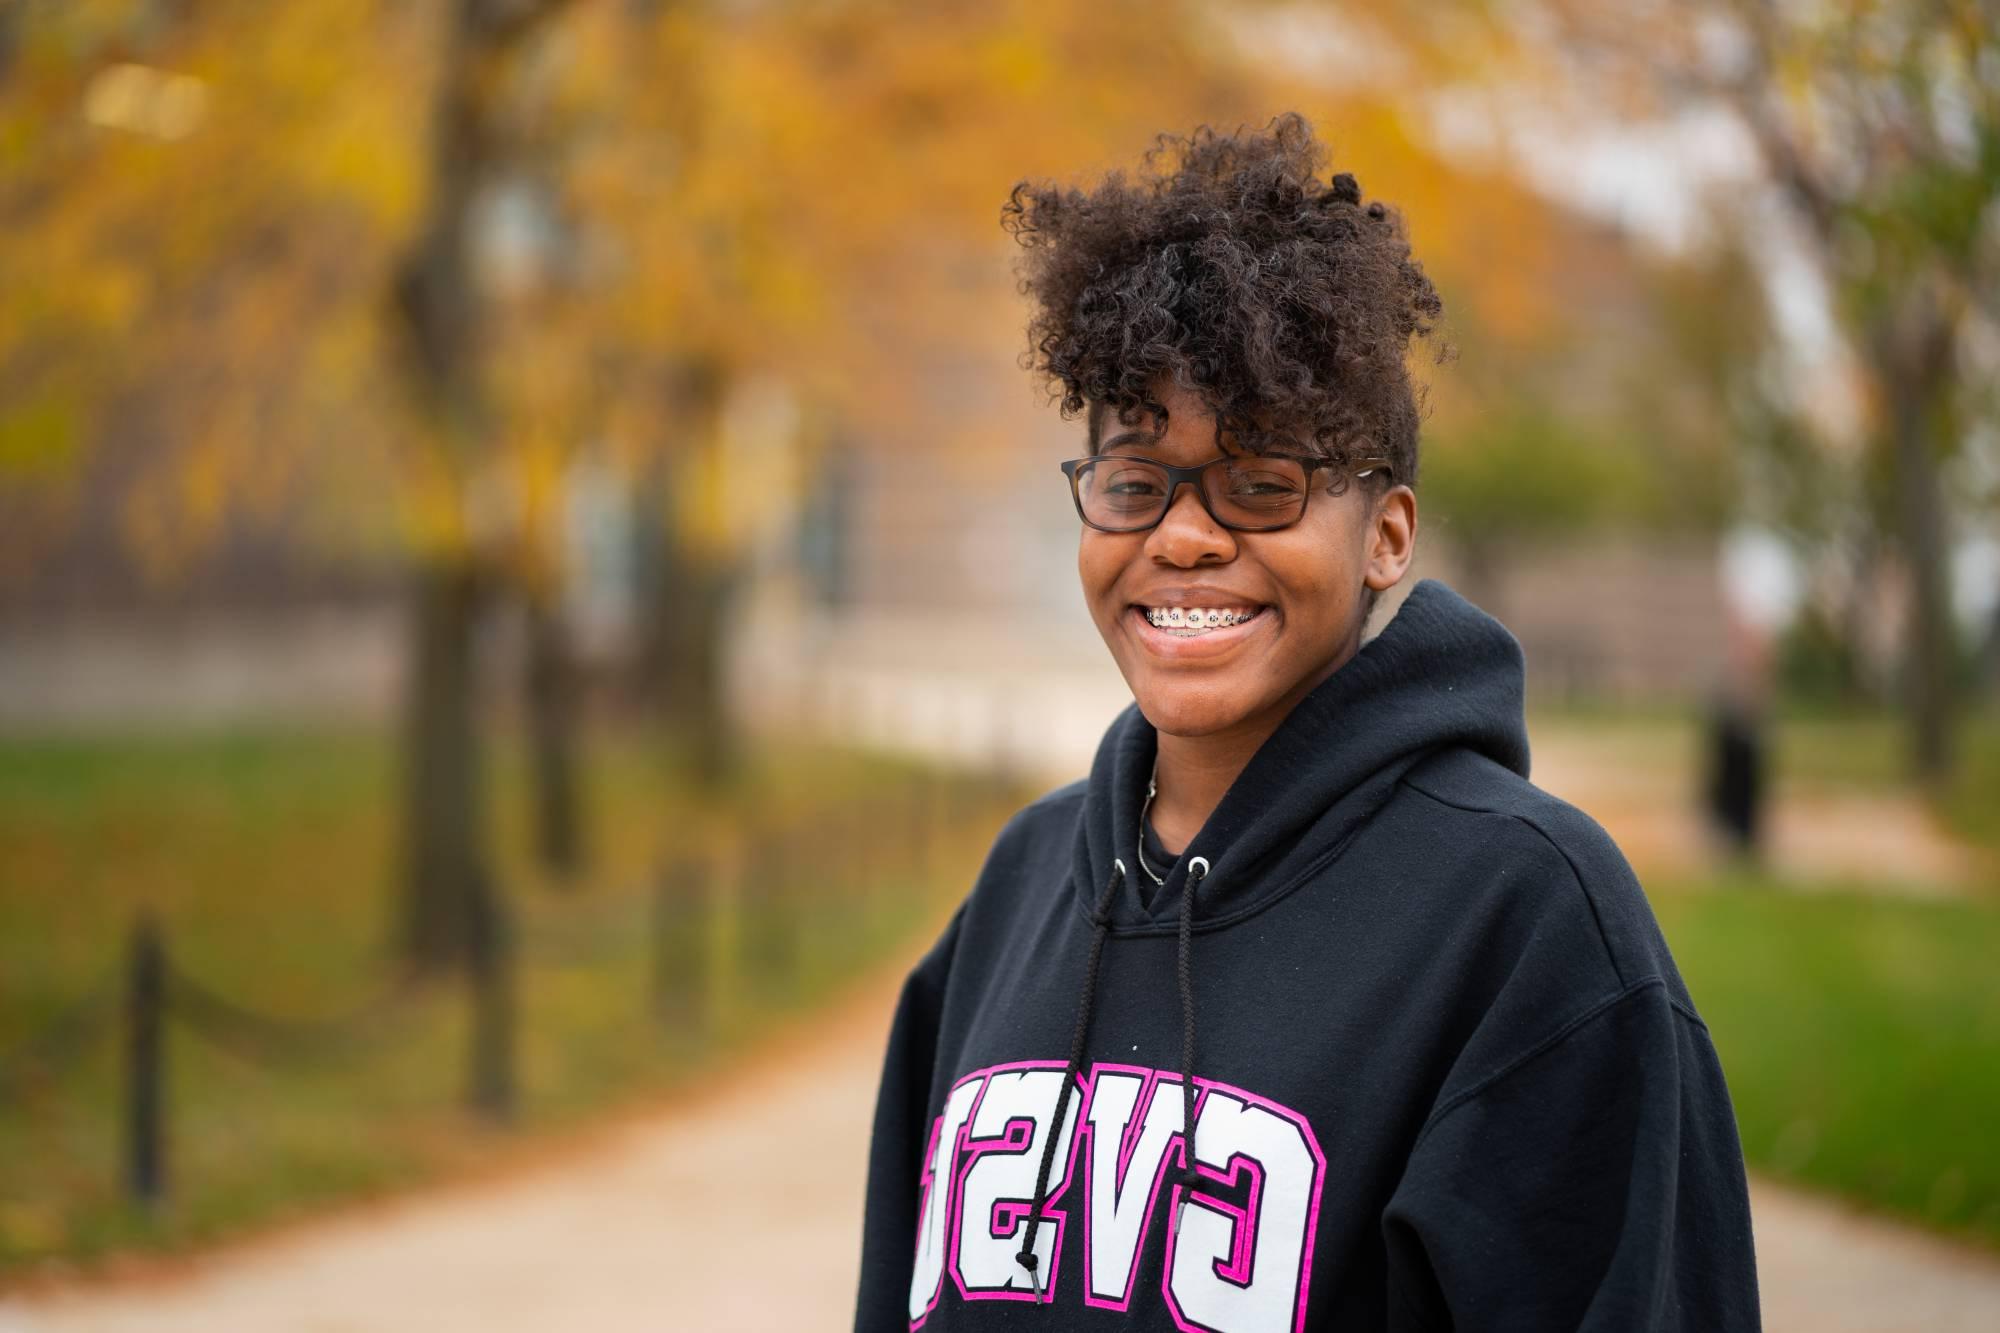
x=1445, y=1075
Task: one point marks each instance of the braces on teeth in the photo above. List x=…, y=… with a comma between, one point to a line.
x=1194, y=617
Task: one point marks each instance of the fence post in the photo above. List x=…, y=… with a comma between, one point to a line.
x=490, y=969
x=145, y=1063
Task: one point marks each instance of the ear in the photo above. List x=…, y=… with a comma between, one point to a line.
x=1391, y=538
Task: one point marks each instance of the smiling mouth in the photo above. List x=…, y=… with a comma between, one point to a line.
x=1192, y=622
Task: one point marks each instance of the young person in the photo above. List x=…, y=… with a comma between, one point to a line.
x=1306, y=1010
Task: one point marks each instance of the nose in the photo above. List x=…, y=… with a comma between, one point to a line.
x=1187, y=534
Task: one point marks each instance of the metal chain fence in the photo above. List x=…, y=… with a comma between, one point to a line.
x=754, y=911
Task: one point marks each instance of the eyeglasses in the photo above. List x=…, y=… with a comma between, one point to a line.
x=1245, y=492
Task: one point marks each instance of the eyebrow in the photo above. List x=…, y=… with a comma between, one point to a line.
x=1142, y=439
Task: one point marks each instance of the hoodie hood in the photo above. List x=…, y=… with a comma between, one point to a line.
x=1442, y=673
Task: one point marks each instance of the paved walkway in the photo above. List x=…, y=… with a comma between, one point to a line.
x=664, y=1224
x=657, y=1225
x=1642, y=789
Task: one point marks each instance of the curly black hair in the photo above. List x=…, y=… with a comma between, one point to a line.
x=1230, y=268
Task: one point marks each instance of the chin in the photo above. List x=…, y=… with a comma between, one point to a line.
x=1183, y=710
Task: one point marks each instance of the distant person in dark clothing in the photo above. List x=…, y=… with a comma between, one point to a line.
x=1736, y=785
x=1736, y=776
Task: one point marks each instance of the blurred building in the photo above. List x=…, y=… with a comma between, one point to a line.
x=913, y=597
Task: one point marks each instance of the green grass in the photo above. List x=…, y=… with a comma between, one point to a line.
x=1861, y=1040
x=1861, y=1036
x=270, y=859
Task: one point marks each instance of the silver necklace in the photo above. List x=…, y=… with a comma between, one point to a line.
x=1152, y=786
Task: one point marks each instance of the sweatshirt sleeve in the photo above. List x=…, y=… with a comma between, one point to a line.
x=895, y=1156
x=1594, y=1183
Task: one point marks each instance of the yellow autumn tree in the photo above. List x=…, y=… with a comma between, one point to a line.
x=379, y=273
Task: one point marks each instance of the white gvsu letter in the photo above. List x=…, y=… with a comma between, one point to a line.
x=939, y=1167
x=1243, y=1270
x=1124, y=1185
x=1009, y=1133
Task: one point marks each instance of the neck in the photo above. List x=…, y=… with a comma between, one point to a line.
x=1195, y=772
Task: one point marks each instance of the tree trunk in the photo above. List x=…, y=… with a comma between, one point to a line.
x=1914, y=349
x=1989, y=656
x=712, y=734
x=1864, y=682
x=444, y=815
x=553, y=708
x=441, y=311
x=1928, y=664
x=689, y=615
x=689, y=590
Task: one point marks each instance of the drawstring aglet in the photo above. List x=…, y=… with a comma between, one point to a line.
x=1032, y=1262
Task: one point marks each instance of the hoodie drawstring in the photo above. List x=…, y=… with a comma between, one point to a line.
x=1184, y=965
x=1100, y=920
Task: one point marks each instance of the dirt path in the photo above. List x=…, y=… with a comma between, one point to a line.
x=661, y=1224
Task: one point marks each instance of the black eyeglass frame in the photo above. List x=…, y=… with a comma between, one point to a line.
x=1179, y=476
